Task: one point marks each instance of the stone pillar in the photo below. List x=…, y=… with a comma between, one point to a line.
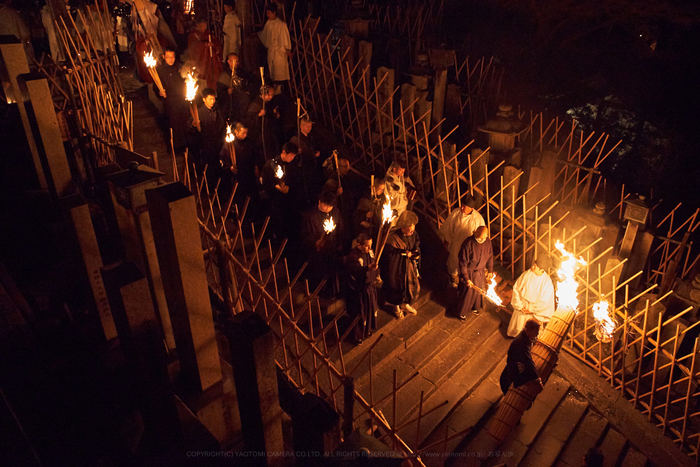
x=13, y=62
x=365, y=53
x=142, y=343
x=255, y=375
x=128, y=189
x=452, y=99
x=173, y=215
x=423, y=105
x=439, y=92
x=43, y=122
x=509, y=174
x=92, y=259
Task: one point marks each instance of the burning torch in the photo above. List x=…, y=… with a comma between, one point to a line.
x=384, y=227
x=329, y=226
x=490, y=292
x=230, y=138
x=191, y=88
x=151, y=64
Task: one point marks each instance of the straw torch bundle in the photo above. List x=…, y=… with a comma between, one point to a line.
x=230, y=138
x=384, y=228
x=151, y=64
x=191, y=88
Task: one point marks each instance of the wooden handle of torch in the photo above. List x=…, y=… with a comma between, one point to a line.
x=156, y=79
x=262, y=75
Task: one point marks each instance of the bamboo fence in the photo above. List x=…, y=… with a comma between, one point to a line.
x=378, y=126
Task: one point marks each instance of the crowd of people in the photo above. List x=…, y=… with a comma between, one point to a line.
x=244, y=130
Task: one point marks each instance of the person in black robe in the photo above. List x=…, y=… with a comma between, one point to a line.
x=321, y=249
x=263, y=122
x=475, y=267
x=520, y=369
x=368, y=214
x=248, y=166
x=309, y=161
x=209, y=138
x=280, y=180
x=234, y=89
x=400, y=265
x=174, y=98
x=361, y=293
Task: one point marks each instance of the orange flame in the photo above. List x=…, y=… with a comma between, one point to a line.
x=387, y=213
x=279, y=173
x=605, y=326
x=491, y=293
x=191, y=87
x=229, y=134
x=329, y=225
x=150, y=60
x=567, y=298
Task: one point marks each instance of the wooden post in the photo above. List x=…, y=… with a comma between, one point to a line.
x=179, y=249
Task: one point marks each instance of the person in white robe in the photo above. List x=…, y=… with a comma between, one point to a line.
x=396, y=189
x=533, y=297
x=232, y=30
x=47, y=21
x=459, y=225
x=275, y=38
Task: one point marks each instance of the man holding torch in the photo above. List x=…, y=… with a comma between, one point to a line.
x=321, y=233
x=279, y=183
x=475, y=269
x=174, y=97
x=400, y=267
x=211, y=135
x=361, y=294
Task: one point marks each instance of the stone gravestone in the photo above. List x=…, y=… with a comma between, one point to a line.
x=128, y=189
x=173, y=213
x=84, y=231
x=384, y=93
x=364, y=49
x=47, y=133
x=439, y=92
x=452, y=102
x=13, y=62
x=255, y=375
x=510, y=173
x=478, y=168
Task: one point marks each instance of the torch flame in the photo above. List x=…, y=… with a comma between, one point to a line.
x=229, y=134
x=567, y=297
x=491, y=293
x=191, y=87
x=605, y=326
x=279, y=173
x=189, y=7
x=150, y=60
x=329, y=225
x=387, y=213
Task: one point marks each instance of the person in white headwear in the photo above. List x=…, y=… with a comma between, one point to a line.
x=275, y=38
x=232, y=30
x=459, y=225
x=396, y=189
x=533, y=297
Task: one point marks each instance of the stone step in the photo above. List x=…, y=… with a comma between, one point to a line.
x=551, y=440
x=586, y=436
x=468, y=417
x=456, y=363
x=634, y=458
x=611, y=447
x=477, y=380
x=516, y=445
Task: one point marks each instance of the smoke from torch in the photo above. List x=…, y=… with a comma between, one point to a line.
x=605, y=326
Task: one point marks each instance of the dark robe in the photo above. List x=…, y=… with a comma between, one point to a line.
x=520, y=368
x=311, y=169
x=474, y=259
x=400, y=273
x=209, y=141
x=176, y=108
x=266, y=126
x=204, y=50
x=281, y=207
x=249, y=163
x=361, y=292
x=323, y=262
x=234, y=94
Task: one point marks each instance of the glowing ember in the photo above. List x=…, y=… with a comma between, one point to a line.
x=191, y=87
x=567, y=297
x=279, y=173
x=605, y=326
x=329, y=225
x=491, y=293
x=229, y=134
x=150, y=60
x=387, y=213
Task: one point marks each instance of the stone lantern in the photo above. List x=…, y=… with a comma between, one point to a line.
x=503, y=129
